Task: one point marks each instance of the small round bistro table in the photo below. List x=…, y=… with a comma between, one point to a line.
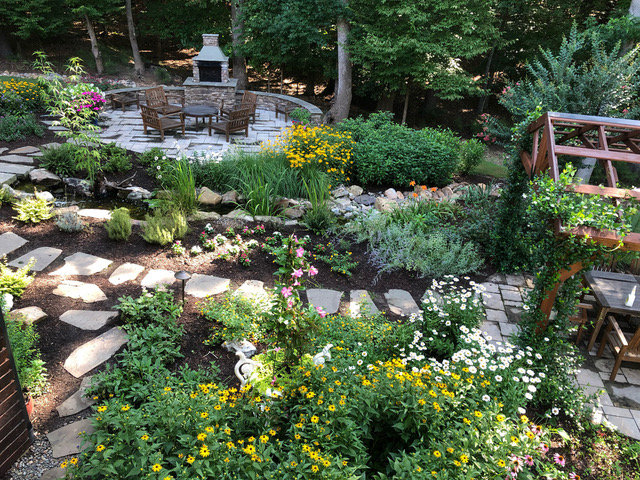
x=200, y=111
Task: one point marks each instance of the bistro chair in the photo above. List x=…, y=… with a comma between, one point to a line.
x=157, y=99
x=581, y=319
x=152, y=119
x=624, y=346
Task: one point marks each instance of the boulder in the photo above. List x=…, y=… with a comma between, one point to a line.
x=137, y=193
x=391, y=193
x=364, y=200
x=42, y=176
x=78, y=185
x=355, y=190
x=384, y=204
x=340, y=192
x=209, y=197
x=202, y=215
x=230, y=197
x=293, y=213
x=46, y=196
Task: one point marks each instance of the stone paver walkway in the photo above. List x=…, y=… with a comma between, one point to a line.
x=44, y=256
x=82, y=264
x=95, y=352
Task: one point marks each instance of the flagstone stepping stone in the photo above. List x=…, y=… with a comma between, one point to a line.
x=66, y=440
x=56, y=473
x=9, y=242
x=19, y=159
x=201, y=286
x=95, y=213
x=43, y=255
x=87, y=319
x=95, y=352
x=82, y=264
x=252, y=290
x=7, y=178
x=401, y=302
x=87, y=292
x=328, y=300
x=28, y=315
x=360, y=300
x=16, y=169
x=493, y=330
x=76, y=402
x=26, y=150
x=157, y=277
x=125, y=273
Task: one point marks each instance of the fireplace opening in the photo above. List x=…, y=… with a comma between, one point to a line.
x=210, y=71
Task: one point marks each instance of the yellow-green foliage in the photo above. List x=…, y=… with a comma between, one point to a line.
x=33, y=209
x=164, y=228
x=321, y=146
x=119, y=227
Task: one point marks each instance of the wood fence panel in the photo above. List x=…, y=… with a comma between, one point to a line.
x=15, y=428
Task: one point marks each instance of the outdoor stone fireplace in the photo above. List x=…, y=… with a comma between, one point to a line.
x=210, y=83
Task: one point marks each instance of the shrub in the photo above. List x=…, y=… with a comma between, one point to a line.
x=114, y=158
x=235, y=317
x=157, y=306
x=386, y=153
x=60, y=160
x=164, y=228
x=5, y=195
x=151, y=156
x=119, y=226
x=17, y=127
x=33, y=209
x=31, y=371
x=19, y=96
x=14, y=282
x=471, y=154
x=70, y=222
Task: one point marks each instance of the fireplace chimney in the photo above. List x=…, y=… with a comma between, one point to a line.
x=211, y=64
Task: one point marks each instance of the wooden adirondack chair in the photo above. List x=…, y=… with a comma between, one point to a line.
x=156, y=98
x=249, y=101
x=581, y=319
x=152, y=119
x=625, y=346
x=236, y=121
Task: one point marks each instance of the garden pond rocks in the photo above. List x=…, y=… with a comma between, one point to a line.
x=78, y=185
x=43, y=177
x=209, y=197
x=7, y=179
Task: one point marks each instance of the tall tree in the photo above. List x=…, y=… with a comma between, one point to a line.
x=238, y=62
x=342, y=100
x=138, y=64
x=404, y=44
x=33, y=19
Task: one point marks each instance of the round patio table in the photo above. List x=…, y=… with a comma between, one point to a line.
x=200, y=111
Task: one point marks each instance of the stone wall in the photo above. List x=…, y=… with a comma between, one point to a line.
x=268, y=101
x=209, y=93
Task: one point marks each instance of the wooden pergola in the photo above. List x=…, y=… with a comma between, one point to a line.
x=608, y=140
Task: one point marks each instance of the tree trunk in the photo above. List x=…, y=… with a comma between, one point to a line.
x=406, y=105
x=138, y=65
x=340, y=109
x=281, y=81
x=634, y=8
x=94, y=45
x=238, y=62
x=385, y=103
x=482, y=103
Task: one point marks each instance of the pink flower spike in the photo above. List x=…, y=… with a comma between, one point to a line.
x=297, y=273
x=313, y=271
x=559, y=459
x=299, y=252
x=286, y=291
x=321, y=312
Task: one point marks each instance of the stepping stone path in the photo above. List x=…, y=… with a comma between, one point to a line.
x=201, y=286
x=125, y=273
x=158, y=277
x=28, y=315
x=95, y=213
x=95, y=352
x=66, y=440
x=27, y=150
x=82, y=264
x=87, y=292
x=360, y=300
x=9, y=242
x=87, y=319
x=16, y=159
x=253, y=290
x=44, y=257
x=20, y=171
x=7, y=178
x=401, y=302
x=328, y=300
x=76, y=402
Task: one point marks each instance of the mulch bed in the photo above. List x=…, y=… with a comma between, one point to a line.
x=58, y=339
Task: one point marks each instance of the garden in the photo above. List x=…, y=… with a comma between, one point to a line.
x=338, y=395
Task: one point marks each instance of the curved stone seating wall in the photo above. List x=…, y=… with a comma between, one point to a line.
x=266, y=100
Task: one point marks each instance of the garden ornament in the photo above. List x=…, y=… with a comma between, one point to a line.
x=324, y=355
x=244, y=368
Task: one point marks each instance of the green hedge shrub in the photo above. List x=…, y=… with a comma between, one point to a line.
x=390, y=154
x=119, y=227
